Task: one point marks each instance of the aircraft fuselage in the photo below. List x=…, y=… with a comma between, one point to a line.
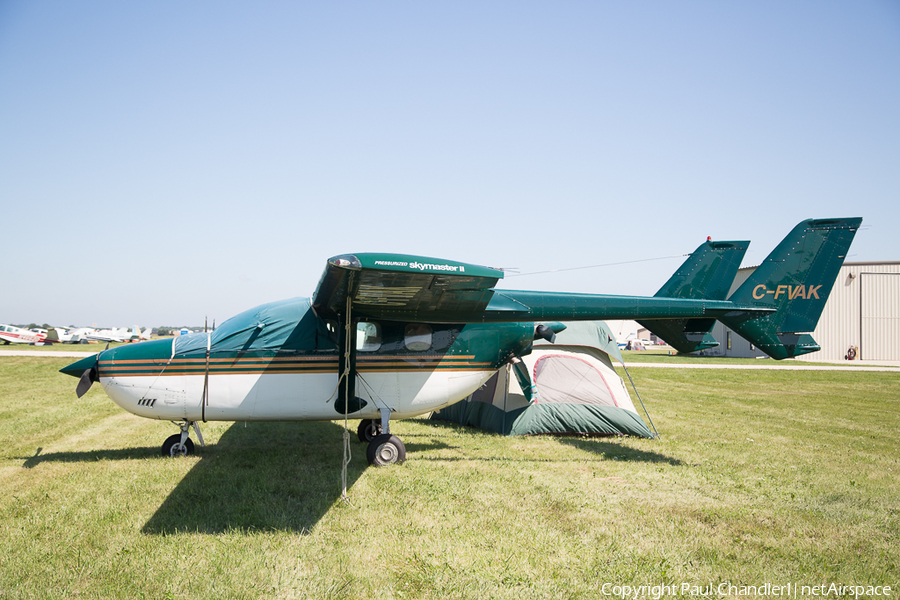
x=407, y=368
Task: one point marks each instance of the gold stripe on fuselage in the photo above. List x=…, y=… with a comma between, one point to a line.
x=286, y=365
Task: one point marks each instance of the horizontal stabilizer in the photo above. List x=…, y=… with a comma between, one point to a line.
x=679, y=333
x=707, y=274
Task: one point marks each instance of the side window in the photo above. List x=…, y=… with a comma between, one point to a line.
x=417, y=337
x=368, y=336
x=443, y=338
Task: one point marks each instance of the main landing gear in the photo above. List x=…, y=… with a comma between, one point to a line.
x=384, y=449
x=180, y=444
x=368, y=430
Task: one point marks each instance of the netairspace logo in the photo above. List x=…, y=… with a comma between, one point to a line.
x=766, y=590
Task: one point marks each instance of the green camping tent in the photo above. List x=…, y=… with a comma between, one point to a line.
x=573, y=386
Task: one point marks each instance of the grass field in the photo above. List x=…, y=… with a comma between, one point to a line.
x=759, y=477
x=666, y=354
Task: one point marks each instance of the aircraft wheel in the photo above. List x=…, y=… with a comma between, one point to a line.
x=368, y=430
x=385, y=450
x=173, y=447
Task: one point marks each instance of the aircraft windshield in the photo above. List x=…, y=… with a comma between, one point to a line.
x=289, y=325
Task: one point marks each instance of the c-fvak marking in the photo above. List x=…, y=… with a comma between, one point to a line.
x=389, y=336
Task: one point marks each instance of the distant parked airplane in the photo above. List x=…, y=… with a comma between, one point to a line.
x=76, y=335
x=119, y=334
x=11, y=334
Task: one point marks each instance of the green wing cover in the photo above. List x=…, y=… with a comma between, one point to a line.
x=405, y=287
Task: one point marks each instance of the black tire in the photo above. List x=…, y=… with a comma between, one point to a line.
x=385, y=450
x=368, y=430
x=171, y=447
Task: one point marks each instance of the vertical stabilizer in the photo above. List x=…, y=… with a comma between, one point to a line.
x=795, y=280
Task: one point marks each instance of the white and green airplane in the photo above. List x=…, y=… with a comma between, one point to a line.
x=388, y=336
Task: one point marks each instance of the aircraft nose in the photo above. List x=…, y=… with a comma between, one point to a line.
x=86, y=370
x=77, y=369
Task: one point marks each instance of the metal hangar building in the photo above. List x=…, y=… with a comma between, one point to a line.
x=862, y=312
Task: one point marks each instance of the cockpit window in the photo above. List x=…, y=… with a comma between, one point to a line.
x=417, y=337
x=368, y=336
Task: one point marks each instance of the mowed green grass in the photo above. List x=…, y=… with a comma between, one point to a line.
x=667, y=355
x=759, y=476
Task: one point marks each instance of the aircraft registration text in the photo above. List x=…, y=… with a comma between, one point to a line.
x=791, y=292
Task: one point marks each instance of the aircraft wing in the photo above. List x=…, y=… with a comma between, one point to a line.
x=405, y=287
x=414, y=288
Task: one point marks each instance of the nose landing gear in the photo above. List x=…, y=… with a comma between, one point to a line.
x=173, y=446
x=180, y=444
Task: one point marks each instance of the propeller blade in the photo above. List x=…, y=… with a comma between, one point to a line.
x=86, y=380
x=544, y=332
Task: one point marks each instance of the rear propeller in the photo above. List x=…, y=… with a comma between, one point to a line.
x=548, y=331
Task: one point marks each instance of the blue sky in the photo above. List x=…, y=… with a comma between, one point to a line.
x=164, y=161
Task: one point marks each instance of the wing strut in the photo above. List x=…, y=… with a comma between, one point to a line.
x=347, y=351
x=347, y=383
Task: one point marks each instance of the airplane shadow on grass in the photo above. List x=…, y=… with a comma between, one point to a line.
x=90, y=455
x=594, y=444
x=263, y=476
x=277, y=476
x=613, y=451
x=283, y=476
